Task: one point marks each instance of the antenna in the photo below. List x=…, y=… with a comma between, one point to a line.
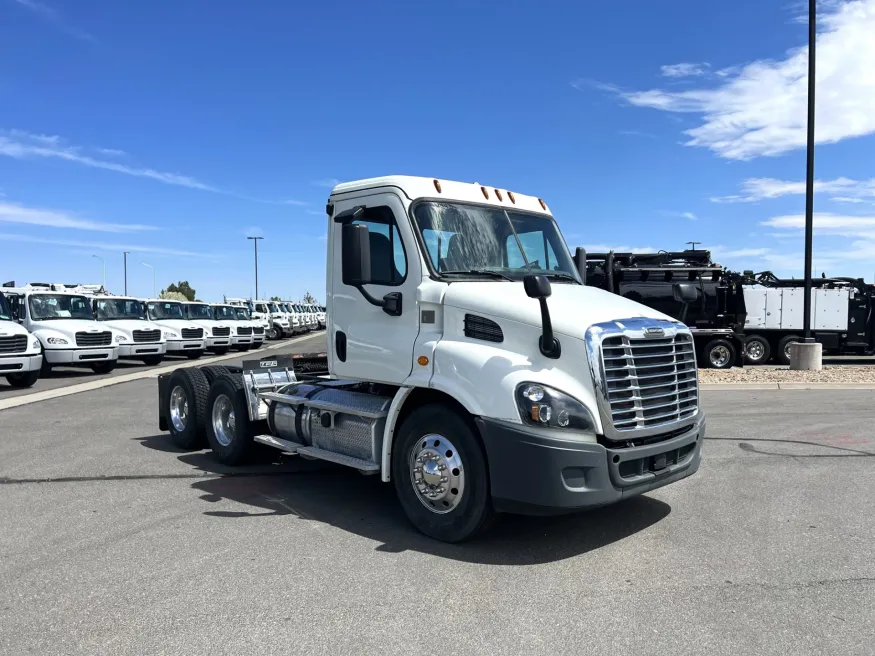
x=693, y=244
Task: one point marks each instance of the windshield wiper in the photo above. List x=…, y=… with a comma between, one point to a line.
x=479, y=272
x=560, y=275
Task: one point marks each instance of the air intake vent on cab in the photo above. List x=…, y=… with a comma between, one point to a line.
x=482, y=328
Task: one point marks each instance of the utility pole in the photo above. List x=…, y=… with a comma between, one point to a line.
x=809, y=171
x=126, y=271
x=693, y=244
x=104, y=270
x=255, y=242
x=154, y=293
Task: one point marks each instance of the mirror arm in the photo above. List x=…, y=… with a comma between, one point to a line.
x=391, y=303
x=547, y=343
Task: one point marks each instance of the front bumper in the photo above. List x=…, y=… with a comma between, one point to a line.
x=241, y=340
x=536, y=474
x=218, y=342
x=138, y=351
x=178, y=345
x=81, y=355
x=17, y=364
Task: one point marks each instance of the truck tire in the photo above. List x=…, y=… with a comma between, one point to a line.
x=783, y=353
x=104, y=367
x=440, y=474
x=194, y=355
x=719, y=354
x=221, y=350
x=229, y=431
x=272, y=333
x=211, y=372
x=24, y=379
x=152, y=360
x=185, y=405
x=757, y=349
x=46, y=367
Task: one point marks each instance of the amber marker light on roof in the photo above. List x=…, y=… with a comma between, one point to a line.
x=512, y=199
x=543, y=205
x=437, y=185
x=498, y=193
x=485, y=193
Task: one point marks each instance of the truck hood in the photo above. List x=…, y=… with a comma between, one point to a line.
x=175, y=324
x=9, y=328
x=573, y=308
x=70, y=326
x=130, y=325
x=209, y=323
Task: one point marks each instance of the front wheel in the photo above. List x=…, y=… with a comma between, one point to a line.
x=24, y=379
x=193, y=355
x=440, y=474
x=104, y=367
x=273, y=333
x=221, y=350
x=152, y=360
x=719, y=354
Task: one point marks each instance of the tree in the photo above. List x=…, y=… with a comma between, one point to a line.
x=182, y=288
x=309, y=299
x=275, y=298
x=173, y=296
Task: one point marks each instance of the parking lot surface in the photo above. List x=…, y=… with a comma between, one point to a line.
x=114, y=542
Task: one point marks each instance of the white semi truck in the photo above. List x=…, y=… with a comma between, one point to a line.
x=241, y=330
x=243, y=309
x=280, y=323
x=63, y=323
x=20, y=352
x=466, y=364
x=183, y=337
x=137, y=338
x=217, y=333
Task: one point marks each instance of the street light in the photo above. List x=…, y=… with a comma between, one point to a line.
x=255, y=243
x=809, y=172
x=154, y=295
x=126, y=271
x=104, y=270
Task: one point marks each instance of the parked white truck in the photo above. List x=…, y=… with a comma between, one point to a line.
x=241, y=331
x=244, y=309
x=466, y=364
x=63, y=323
x=217, y=333
x=137, y=337
x=183, y=337
x=20, y=352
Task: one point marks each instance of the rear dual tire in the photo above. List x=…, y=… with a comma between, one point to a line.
x=718, y=354
x=186, y=404
x=229, y=431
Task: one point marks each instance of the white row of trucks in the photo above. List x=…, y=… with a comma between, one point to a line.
x=467, y=365
x=282, y=318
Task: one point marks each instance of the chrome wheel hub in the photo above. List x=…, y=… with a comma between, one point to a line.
x=224, y=424
x=719, y=356
x=178, y=408
x=436, y=473
x=755, y=350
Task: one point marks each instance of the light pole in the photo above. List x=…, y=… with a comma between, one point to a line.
x=154, y=295
x=809, y=172
x=126, y=271
x=104, y=270
x=255, y=242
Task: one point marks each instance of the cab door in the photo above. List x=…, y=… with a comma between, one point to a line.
x=367, y=343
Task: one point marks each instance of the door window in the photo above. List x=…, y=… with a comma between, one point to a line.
x=388, y=258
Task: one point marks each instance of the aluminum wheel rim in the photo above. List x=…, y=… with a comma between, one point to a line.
x=178, y=408
x=719, y=356
x=437, y=473
x=787, y=349
x=224, y=423
x=755, y=350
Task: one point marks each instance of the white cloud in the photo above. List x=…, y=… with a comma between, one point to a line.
x=682, y=215
x=760, y=110
x=104, y=246
x=327, y=182
x=13, y=213
x=824, y=221
x=757, y=189
x=637, y=133
x=859, y=229
x=685, y=70
x=720, y=252
x=55, y=19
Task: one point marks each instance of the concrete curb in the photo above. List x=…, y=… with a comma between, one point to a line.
x=725, y=387
x=152, y=372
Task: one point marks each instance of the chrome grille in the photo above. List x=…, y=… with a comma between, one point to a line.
x=244, y=330
x=221, y=332
x=649, y=381
x=14, y=344
x=141, y=336
x=258, y=330
x=192, y=333
x=94, y=339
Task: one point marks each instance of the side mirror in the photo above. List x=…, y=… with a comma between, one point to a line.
x=355, y=254
x=537, y=286
x=580, y=263
x=684, y=292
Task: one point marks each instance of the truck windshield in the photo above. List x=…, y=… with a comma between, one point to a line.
x=119, y=308
x=158, y=311
x=224, y=312
x=273, y=307
x=45, y=307
x=491, y=242
x=242, y=313
x=198, y=311
x=5, y=311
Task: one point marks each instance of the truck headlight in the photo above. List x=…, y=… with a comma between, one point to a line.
x=207, y=332
x=169, y=334
x=121, y=338
x=57, y=340
x=544, y=406
x=35, y=345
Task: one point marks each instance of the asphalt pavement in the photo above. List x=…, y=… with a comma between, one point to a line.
x=114, y=542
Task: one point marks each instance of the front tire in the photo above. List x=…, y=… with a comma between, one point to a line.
x=153, y=360
x=272, y=334
x=194, y=355
x=24, y=379
x=229, y=430
x=221, y=350
x=440, y=474
x=104, y=367
x=757, y=349
x=719, y=354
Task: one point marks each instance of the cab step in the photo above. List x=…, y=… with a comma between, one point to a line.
x=364, y=466
x=285, y=446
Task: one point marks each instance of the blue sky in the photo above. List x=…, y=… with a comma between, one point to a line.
x=174, y=129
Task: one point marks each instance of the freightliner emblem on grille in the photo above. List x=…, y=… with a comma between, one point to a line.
x=654, y=331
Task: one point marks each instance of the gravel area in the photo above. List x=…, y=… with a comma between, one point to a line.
x=829, y=374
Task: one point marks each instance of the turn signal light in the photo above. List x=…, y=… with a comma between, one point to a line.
x=437, y=185
x=512, y=199
x=498, y=193
x=485, y=193
x=543, y=205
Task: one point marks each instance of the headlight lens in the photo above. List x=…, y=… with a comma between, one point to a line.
x=169, y=334
x=207, y=332
x=35, y=344
x=57, y=340
x=544, y=406
x=121, y=338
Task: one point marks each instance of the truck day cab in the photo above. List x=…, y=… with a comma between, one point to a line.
x=20, y=353
x=217, y=333
x=63, y=323
x=182, y=336
x=137, y=337
x=241, y=331
x=466, y=364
